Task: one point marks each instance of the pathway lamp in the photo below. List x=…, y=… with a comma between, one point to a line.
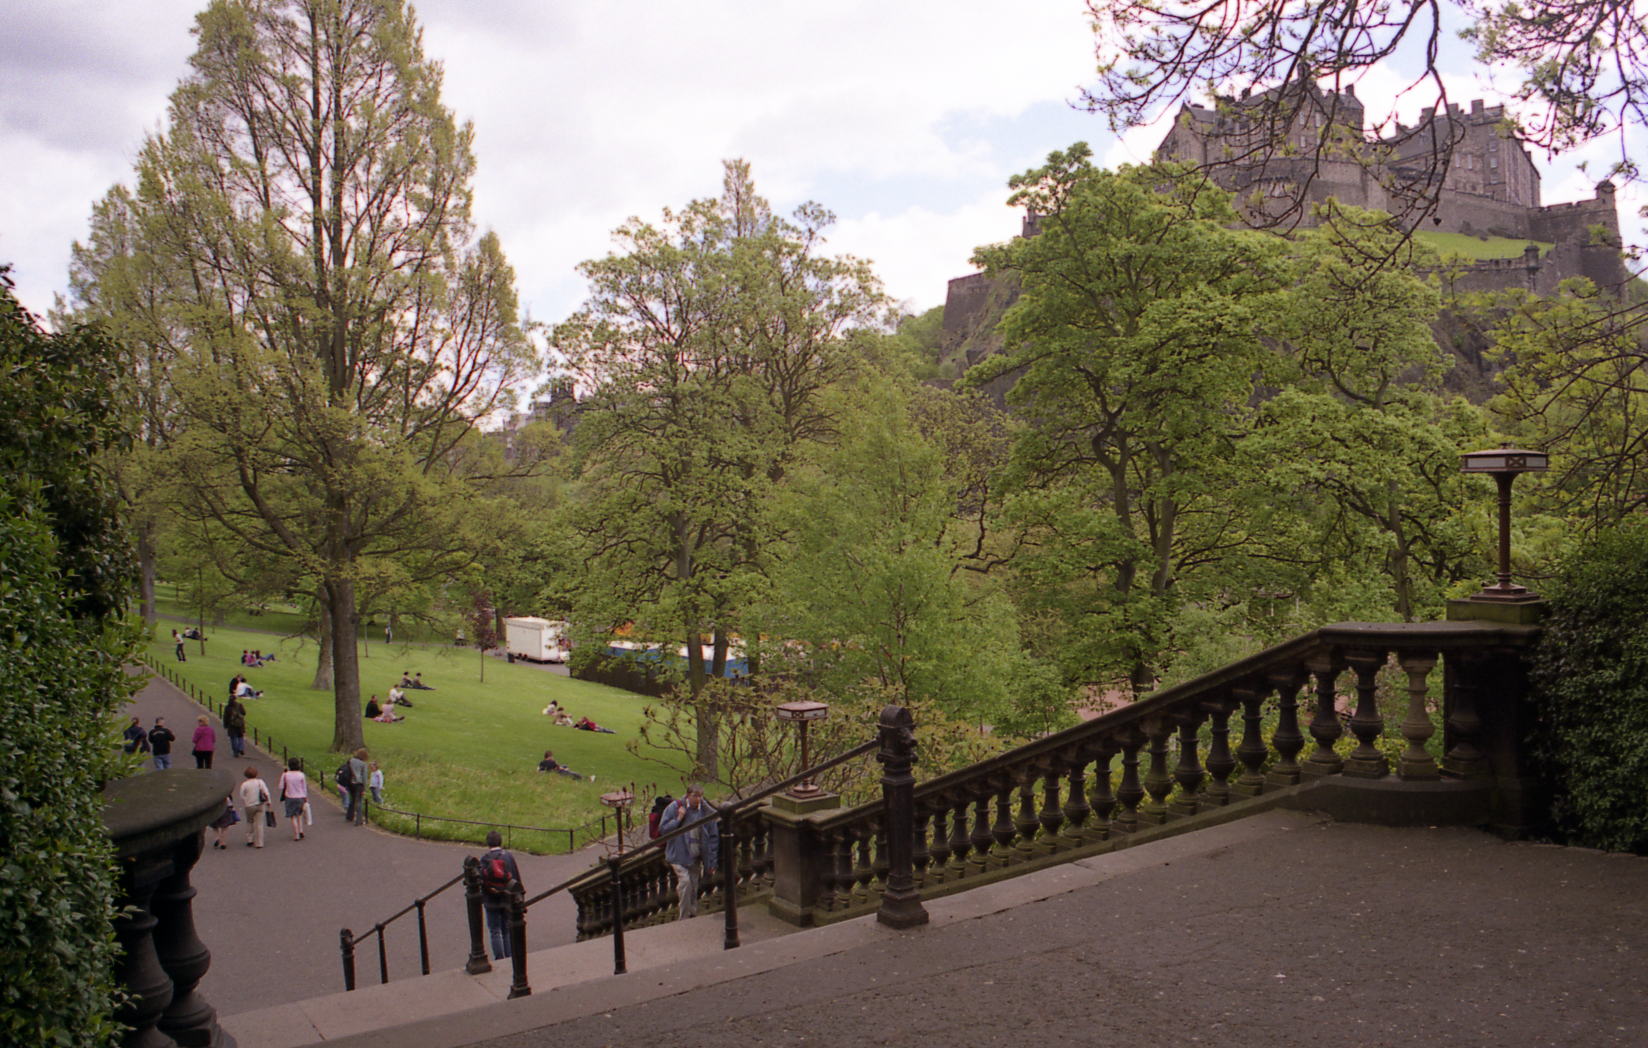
x=803, y=714
x=619, y=800
x=1503, y=464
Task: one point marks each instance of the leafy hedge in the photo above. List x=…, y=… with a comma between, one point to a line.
x=1591, y=694
x=64, y=577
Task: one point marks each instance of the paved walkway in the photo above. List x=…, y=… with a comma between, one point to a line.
x=271, y=917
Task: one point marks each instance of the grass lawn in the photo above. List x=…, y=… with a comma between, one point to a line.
x=466, y=750
x=1465, y=246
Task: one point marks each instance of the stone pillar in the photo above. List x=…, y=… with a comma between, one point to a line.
x=157, y=824
x=800, y=855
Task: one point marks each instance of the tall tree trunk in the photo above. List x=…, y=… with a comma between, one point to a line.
x=718, y=653
x=346, y=704
x=323, y=636
x=709, y=766
x=146, y=573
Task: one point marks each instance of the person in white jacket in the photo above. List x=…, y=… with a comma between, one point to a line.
x=253, y=794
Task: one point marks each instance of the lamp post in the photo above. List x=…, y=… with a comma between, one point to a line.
x=1503, y=464
x=619, y=800
x=804, y=713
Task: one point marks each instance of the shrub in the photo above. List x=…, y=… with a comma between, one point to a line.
x=64, y=576
x=1590, y=694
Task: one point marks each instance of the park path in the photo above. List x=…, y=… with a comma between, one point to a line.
x=271, y=917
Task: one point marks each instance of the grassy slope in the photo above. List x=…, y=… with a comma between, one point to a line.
x=1463, y=245
x=467, y=749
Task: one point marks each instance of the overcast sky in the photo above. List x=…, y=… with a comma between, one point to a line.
x=904, y=117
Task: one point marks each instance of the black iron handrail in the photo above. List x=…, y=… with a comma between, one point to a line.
x=517, y=904
x=347, y=939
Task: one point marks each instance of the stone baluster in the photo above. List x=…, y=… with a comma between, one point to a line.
x=1157, y=782
x=864, y=867
x=938, y=870
x=1288, y=740
x=1129, y=793
x=883, y=850
x=1076, y=809
x=188, y=1018
x=1188, y=772
x=1416, y=763
x=1051, y=815
x=1252, y=750
x=832, y=888
x=1027, y=822
x=1220, y=761
x=1465, y=758
x=1366, y=762
x=1324, y=726
x=983, y=836
x=961, y=842
x=1002, y=829
x=139, y=970
x=921, y=855
x=1101, y=798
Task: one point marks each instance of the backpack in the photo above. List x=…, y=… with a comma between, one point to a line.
x=494, y=873
x=345, y=776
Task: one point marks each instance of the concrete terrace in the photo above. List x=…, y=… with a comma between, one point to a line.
x=1280, y=929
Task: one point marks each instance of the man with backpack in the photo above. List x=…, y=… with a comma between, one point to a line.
x=351, y=780
x=498, y=869
x=693, y=853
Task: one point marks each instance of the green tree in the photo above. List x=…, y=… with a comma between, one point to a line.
x=65, y=578
x=117, y=285
x=1137, y=343
x=705, y=346
x=346, y=329
x=1576, y=385
x=1355, y=457
x=872, y=582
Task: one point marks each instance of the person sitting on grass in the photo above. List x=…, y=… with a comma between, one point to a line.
x=397, y=697
x=244, y=690
x=417, y=682
x=563, y=719
x=406, y=679
x=372, y=708
x=387, y=716
x=552, y=709
x=549, y=763
x=585, y=724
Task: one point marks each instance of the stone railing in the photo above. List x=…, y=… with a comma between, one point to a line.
x=1168, y=763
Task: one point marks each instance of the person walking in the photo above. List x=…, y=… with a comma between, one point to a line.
x=160, y=744
x=294, y=794
x=177, y=641
x=357, y=787
x=498, y=869
x=137, y=740
x=374, y=782
x=205, y=741
x=234, y=725
x=694, y=851
x=227, y=818
x=253, y=794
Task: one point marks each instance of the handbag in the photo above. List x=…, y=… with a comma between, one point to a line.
x=268, y=816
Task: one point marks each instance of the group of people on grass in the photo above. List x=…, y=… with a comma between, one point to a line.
x=561, y=718
x=255, y=658
x=384, y=712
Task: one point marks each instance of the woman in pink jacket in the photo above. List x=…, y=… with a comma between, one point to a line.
x=204, y=743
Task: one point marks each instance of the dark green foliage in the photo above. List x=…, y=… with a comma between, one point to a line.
x=64, y=577
x=1591, y=694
